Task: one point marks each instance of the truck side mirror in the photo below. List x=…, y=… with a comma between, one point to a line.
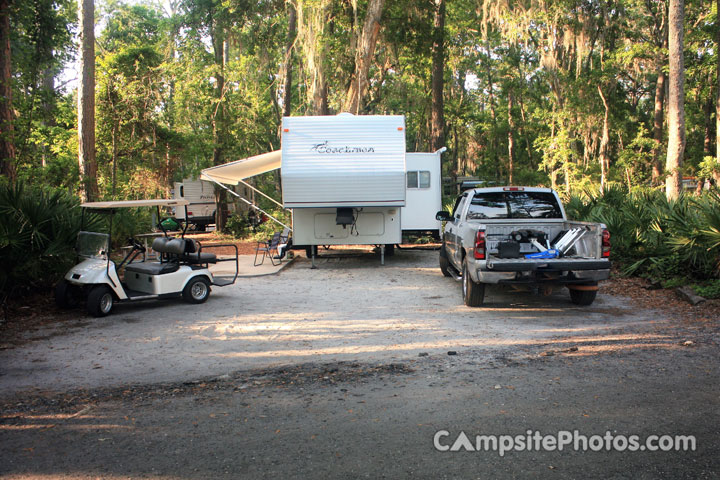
x=443, y=216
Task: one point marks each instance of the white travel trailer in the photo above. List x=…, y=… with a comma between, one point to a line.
x=201, y=195
x=345, y=179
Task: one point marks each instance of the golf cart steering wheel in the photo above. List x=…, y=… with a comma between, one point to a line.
x=136, y=245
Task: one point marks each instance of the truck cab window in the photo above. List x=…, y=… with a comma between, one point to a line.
x=455, y=212
x=490, y=205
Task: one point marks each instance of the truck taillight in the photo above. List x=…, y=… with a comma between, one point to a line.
x=479, y=252
x=606, y=243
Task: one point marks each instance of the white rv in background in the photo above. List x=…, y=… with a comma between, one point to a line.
x=201, y=195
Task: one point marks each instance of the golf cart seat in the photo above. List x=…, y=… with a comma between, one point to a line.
x=183, y=250
x=152, y=268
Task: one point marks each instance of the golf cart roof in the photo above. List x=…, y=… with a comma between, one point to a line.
x=161, y=202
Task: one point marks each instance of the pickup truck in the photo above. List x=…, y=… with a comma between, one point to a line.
x=520, y=235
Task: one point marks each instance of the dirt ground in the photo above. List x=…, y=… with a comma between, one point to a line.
x=349, y=370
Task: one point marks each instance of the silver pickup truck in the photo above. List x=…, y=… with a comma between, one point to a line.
x=520, y=235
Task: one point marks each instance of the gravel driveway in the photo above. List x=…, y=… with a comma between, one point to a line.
x=351, y=371
x=350, y=308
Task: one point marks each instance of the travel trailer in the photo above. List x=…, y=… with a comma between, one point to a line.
x=346, y=180
x=201, y=207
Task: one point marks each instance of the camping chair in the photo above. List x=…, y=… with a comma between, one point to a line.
x=269, y=248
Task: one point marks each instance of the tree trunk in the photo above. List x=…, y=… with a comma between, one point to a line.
x=86, y=104
x=605, y=141
x=716, y=172
x=363, y=57
x=511, y=140
x=7, y=144
x=657, y=166
x=220, y=47
x=292, y=29
x=676, y=99
x=437, y=116
x=528, y=145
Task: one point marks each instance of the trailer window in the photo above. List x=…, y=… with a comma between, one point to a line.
x=513, y=205
x=182, y=191
x=418, y=179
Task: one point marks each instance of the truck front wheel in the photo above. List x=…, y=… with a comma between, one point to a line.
x=444, y=262
x=473, y=293
x=583, y=297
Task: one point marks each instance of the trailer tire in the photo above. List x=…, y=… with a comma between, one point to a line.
x=310, y=250
x=100, y=301
x=66, y=294
x=444, y=262
x=583, y=297
x=473, y=293
x=389, y=249
x=197, y=290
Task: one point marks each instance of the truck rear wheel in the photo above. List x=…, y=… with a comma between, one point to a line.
x=473, y=293
x=583, y=297
x=444, y=262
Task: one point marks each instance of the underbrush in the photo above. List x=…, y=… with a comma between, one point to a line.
x=675, y=242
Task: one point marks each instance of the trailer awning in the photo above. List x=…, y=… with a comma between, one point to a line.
x=231, y=173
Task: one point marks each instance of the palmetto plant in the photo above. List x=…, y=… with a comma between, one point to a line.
x=38, y=229
x=654, y=236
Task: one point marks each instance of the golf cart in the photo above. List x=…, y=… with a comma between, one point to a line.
x=182, y=267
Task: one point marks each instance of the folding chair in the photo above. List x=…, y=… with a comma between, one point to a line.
x=267, y=248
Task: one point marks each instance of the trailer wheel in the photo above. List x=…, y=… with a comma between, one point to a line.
x=389, y=249
x=473, y=293
x=197, y=290
x=310, y=250
x=444, y=262
x=66, y=294
x=583, y=297
x=100, y=301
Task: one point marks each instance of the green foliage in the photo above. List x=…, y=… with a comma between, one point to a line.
x=654, y=237
x=38, y=230
x=126, y=223
x=237, y=226
x=710, y=289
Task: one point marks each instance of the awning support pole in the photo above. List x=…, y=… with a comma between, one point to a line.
x=248, y=202
x=261, y=193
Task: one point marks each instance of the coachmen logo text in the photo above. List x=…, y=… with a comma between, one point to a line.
x=325, y=147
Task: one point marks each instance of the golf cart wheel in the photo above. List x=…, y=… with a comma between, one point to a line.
x=473, y=293
x=197, y=290
x=583, y=297
x=66, y=294
x=100, y=301
x=444, y=262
